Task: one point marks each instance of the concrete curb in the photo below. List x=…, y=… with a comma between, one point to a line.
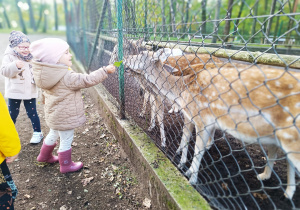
x=167, y=187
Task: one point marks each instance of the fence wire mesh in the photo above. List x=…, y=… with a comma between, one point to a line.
x=214, y=83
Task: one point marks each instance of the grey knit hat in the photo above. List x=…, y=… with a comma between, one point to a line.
x=16, y=38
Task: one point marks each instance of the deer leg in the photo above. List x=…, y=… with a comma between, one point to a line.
x=272, y=155
x=203, y=137
x=291, y=183
x=160, y=118
x=153, y=112
x=185, y=139
x=145, y=102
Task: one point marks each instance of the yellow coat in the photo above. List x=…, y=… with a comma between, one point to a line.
x=10, y=144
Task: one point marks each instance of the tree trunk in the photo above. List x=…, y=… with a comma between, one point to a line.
x=22, y=23
x=276, y=32
x=216, y=24
x=42, y=6
x=31, y=15
x=45, y=23
x=227, y=23
x=255, y=7
x=187, y=8
x=55, y=15
x=203, y=26
x=5, y=15
x=238, y=20
x=268, y=29
x=291, y=22
x=110, y=16
x=173, y=18
x=163, y=8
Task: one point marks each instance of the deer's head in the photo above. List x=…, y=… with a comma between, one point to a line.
x=144, y=61
x=129, y=48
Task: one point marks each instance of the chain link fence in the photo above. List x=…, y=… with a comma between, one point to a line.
x=214, y=83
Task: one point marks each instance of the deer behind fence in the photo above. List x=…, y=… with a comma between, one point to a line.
x=255, y=104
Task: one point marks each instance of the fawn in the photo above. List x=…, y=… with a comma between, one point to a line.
x=255, y=104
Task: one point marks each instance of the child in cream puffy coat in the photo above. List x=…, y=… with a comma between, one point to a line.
x=64, y=109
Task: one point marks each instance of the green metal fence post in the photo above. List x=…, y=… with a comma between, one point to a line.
x=120, y=55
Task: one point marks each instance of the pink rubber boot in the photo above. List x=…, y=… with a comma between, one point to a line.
x=66, y=164
x=46, y=154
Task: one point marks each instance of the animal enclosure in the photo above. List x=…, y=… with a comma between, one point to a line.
x=214, y=83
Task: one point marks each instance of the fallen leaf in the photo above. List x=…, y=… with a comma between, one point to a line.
x=64, y=207
x=87, y=180
x=147, y=203
x=225, y=186
x=260, y=196
x=27, y=196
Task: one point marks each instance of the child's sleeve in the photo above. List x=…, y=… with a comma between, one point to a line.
x=9, y=67
x=76, y=81
x=9, y=139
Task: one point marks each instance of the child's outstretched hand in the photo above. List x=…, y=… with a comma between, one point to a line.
x=110, y=69
x=19, y=64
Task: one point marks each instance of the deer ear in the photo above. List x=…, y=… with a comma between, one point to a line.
x=157, y=54
x=139, y=42
x=170, y=69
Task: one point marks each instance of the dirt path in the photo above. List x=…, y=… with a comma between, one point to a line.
x=111, y=182
x=108, y=181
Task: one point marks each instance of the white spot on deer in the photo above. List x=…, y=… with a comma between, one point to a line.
x=291, y=86
x=213, y=105
x=257, y=82
x=286, y=109
x=297, y=105
x=247, y=83
x=287, y=136
x=269, y=96
x=279, y=94
x=213, y=93
x=277, y=84
x=289, y=119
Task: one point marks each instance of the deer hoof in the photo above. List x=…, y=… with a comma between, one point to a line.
x=263, y=176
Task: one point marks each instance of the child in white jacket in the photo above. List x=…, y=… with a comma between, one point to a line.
x=19, y=83
x=64, y=109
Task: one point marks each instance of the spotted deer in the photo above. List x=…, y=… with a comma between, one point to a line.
x=179, y=61
x=255, y=104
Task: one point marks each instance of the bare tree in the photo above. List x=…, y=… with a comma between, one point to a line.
x=187, y=15
x=31, y=15
x=55, y=15
x=172, y=10
x=203, y=17
x=227, y=23
x=41, y=12
x=238, y=17
x=22, y=23
x=216, y=24
x=5, y=15
x=268, y=29
x=291, y=21
x=255, y=7
x=163, y=8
